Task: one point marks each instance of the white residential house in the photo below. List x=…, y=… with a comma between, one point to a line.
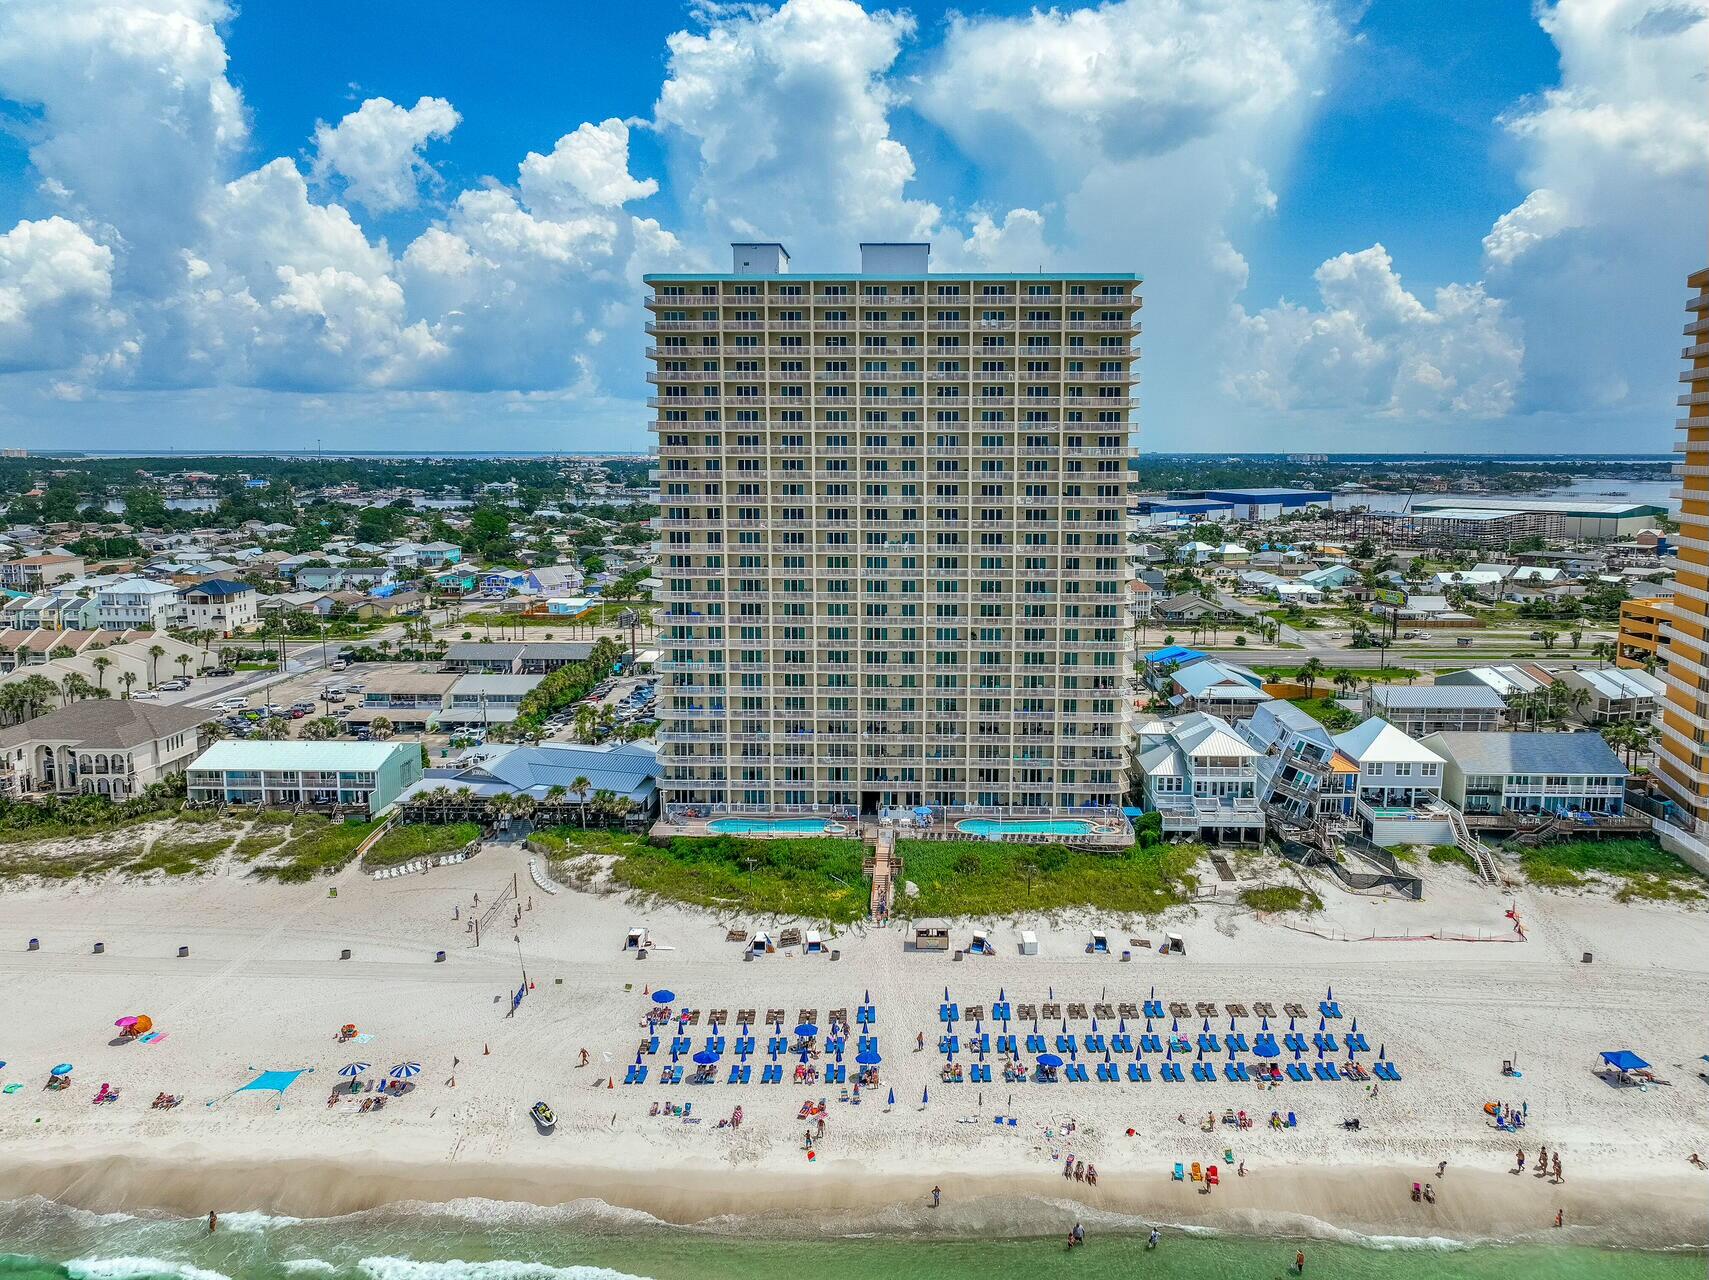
x=1399, y=792
x=1617, y=693
x=1201, y=776
x=1222, y=688
x=136, y=604
x=219, y=604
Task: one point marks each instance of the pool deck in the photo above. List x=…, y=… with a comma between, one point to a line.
x=866, y=829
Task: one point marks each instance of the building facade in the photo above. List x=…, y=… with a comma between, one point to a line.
x=320, y=775
x=892, y=534
x=109, y=747
x=1682, y=758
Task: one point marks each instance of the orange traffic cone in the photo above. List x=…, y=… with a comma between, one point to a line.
x=608, y=1083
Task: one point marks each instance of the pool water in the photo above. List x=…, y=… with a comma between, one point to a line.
x=772, y=826
x=1025, y=827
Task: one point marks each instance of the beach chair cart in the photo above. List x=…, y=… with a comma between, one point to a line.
x=1029, y=943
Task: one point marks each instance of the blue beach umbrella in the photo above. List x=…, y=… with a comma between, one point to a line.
x=1207, y=1025
x=705, y=1058
x=1264, y=1025
x=1000, y=994
x=1355, y=1024
x=404, y=1070
x=868, y=1058
x=1121, y=1027
x=1175, y=1025
x=1322, y=1023
x=867, y=998
x=1266, y=1048
x=892, y=1101
x=1380, y=1055
x=946, y=995
x=663, y=997
x=925, y=1096
x=806, y=1029
x=1094, y=1026
x=1049, y=1060
x=1290, y=1024
x=1231, y=1022
x=1329, y=993
x=348, y=1069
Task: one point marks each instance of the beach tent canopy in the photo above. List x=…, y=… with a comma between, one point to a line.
x=1623, y=1060
x=269, y=1082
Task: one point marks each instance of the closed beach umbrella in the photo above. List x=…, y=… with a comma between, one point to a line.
x=1175, y=1025
x=892, y=1101
x=1329, y=993
x=404, y=1070
x=1121, y=1027
x=1000, y=994
x=353, y=1068
x=1290, y=1024
x=1207, y=1025
x=1322, y=1023
x=1094, y=1026
x=663, y=997
x=705, y=1058
x=1355, y=1024
x=1264, y=1025
x=867, y=998
x=946, y=994
x=1231, y=1022
x=1380, y=1056
x=925, y=1097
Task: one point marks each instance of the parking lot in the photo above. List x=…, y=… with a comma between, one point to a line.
x=632, y=699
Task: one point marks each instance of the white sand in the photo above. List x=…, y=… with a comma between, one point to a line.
x=264, y=988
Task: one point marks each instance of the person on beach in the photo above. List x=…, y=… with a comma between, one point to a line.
x=1299, y=1262
x=920, y=1042
x=1068, y=1167
x=1441, y=1168
x=1152, y=1243
x=1077, y=1236
x=584, y=1058
x=1519, y=1156
x=213, y=1221
x=1542, y=1160
x=1559, y=1215
x=1241, y=1171
x=1694, y=1160
x=1558, y=1177
x=937, y=1196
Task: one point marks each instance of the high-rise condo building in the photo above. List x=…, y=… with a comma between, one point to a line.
x=892, y=523
x=1682, y=748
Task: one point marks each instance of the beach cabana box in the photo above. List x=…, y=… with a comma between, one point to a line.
x=761, y=945
x=815, y=944
x=931, y=934
x=981, y=944
x=636, y=940
x=1029, y=943
x=1100, y=943
x=1172, y=942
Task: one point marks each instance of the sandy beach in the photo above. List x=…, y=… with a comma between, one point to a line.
x=264, y=988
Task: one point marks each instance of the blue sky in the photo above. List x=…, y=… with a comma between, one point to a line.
x=1395, y=225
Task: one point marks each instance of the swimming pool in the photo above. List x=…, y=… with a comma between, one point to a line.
x=1025, y=827
x=768, y=826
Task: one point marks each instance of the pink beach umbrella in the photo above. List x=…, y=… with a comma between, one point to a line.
x=126, y=1022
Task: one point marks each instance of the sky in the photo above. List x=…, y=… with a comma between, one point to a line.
x=1363, y=225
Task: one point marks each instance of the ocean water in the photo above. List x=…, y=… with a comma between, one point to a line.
x=589, y=1241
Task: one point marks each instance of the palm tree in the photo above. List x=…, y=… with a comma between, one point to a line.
x=1308, y=674
x=155, y=654
x=1575, y=635
x=579, y=785
x=101, y=662
x=381, y=728
x=1549, y=635
x=183, y=661
x=127, y=679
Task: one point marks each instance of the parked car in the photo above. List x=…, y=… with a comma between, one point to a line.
x=220, y=671
x=149, y=695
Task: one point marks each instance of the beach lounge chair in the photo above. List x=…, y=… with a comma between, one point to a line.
x=1198, y=1172
x=1064, y=1043
x=1235, y=1010
x=1294, y=1042
x=1356, y=1040
x=1035, y=1044
x=1211, y=1176
x=836, y=1073
x=1330, y=1072
x=771, y=1073
x=1133, y=1072
x=1263, y=1008
x=1076, y=1071
x=1101, y=1010
x=980, y=1044
x=1077, y=1011
x=1236, y=1040
x=974, y=1013
x=775, y=1045
x=1173, y=1073
x=1294, y=1010
x=949, y=1045
x=1000, y=1011
x=1205, y=1009
x=1052, y=1010
x=1180, y=1173
x=1154, y=1008
x=1329, y=1008
x=1121, y=1043
x=681, y=1045
x=745, y=1016
x=1178, y=1009
x=650, y=1045
x=1128, y=1009
x=1006, y=1045
x=1094, y=1044
x=635, y=1075
x=1151, y=1042
x=1228, y=1072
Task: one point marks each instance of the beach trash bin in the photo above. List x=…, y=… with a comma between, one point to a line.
x=1586, y=958
x=183, y=952
x=438, y=957
x=836, y=954
x=100, y=948
x=1126, y=954
x=35, y=945
x=344, y=954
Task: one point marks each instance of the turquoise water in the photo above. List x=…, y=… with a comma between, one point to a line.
x=485, y=1241
x=1039, y=827
x=749, y=826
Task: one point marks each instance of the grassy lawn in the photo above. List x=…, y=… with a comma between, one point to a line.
x=407, y=840
x=990, y=878
x=1327, y=712
x=1643, y=867
x=1283, y=897
x=1326, y=678
x=317, y=847
x=573, y=842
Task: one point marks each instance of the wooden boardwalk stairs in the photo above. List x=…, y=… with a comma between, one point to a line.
x=1471, y=845
x=883, y=866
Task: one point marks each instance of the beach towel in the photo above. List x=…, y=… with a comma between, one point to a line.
x=11, y=1088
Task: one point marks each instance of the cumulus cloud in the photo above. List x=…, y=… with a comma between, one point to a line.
x=1375, y=347
x=56, y=286
x=780, y=123
x=1613, y=159
x=169, y=266
x=378, y=151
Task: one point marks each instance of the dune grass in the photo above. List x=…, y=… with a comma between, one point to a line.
x=317, y=847
x=1282, y=897
x=817, y=878
x=993, y=878
x=1453, y=855
x=1642, y=867
x=407, y=840
x=179, y=857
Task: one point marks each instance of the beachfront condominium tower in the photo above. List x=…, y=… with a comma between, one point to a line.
x=892, y=533
x=1682, y=748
